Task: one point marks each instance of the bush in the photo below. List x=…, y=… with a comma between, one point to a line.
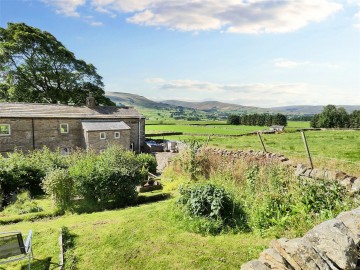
x=211, y=208
x=148, y=161
x=109, y=178
x=60, y=185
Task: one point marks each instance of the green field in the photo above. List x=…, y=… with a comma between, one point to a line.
x=329, y=149
x=142, y=237
x=203, y=129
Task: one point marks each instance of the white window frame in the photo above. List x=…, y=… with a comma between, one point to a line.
x=9, y=128
x=102, y=137
x=117, y=135
x=67, y=128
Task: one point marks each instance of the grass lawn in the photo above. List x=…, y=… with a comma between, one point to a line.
x=142, y=237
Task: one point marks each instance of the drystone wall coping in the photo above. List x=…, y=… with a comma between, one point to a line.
x=331, y=245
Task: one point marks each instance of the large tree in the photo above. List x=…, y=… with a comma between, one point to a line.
x=36, y=67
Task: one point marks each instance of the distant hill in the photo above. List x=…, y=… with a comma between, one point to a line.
x=308, y=109
x=133, y=100
x=177, y=109
x=214, y=106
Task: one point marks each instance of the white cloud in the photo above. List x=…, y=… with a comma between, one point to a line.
x=252, y=94
x=234, y=16
x=66, y=7
x=286, y=63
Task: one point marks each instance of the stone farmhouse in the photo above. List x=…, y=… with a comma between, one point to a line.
x=29, y=126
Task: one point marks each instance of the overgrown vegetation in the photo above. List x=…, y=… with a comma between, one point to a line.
x=210, y=209
x=274, y=201
x=106, y=180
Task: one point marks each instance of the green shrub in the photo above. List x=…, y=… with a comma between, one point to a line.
x=317, y=196
x=60, y=185
x=109, y=178
x=211, y=208
x=148, y=161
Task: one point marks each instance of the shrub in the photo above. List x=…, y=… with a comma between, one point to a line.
x=148, y=161
x=60, y=185
x=109, y=178
x=211, y=208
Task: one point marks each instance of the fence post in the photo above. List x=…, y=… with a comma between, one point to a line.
x=263, y=145
x=307, y=148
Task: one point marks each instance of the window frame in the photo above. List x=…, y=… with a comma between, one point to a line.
x=67, y=128
x=9, y=129
x=119, y=135
x=102, y=133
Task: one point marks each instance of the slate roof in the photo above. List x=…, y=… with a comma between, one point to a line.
x=103, y=125
x=39, y=110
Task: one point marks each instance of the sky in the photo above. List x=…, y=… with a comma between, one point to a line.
x=247, y=52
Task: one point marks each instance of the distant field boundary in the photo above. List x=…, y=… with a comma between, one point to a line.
x=205, y=134
x=165, y=134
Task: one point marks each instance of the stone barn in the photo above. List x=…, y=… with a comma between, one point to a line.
x=29, y=126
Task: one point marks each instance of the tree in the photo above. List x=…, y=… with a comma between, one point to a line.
x=36, y=67
x=280, y=119
x=355, y=119
x=233, y=119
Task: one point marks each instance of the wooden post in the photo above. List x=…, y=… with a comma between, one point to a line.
x=307, y=148
x=263, y=145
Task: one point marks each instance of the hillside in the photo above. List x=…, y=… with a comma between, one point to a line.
x=214, y=106
x=178, y=109
x=308, y=109
x=128, y=99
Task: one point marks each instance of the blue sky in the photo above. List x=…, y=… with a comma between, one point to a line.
x=249, y=52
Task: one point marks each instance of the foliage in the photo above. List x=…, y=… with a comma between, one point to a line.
x=148, y=161
x=109, y=178
x=190, y=160
x=257, y=119
x=332, y=117
x=23, y=205
x=60, y=185
x=233, y=120
x=36, y=67
x=17, y=173
x=275, y=201
x=210, y=208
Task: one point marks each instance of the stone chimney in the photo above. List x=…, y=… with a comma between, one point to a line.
x=90, y=101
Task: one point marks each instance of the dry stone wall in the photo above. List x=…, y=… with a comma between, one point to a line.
x=351, y=183
x=331, y=245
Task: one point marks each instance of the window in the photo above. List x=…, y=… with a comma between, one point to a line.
x=64, y=128
x=5, y=130
x=117, y=135
x=102, y=135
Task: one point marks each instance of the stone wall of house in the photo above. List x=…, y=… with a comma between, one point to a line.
x=94, y=141
x=21, y=135
x=46, y=132
x=333, y=244
x=134, y=134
